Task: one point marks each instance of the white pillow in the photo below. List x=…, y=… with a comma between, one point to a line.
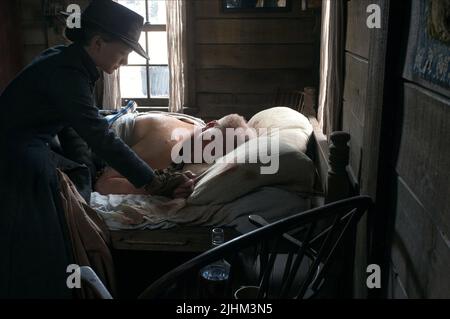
x=235, y=177
x=296, y=128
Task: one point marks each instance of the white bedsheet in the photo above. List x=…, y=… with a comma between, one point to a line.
x=153, y=212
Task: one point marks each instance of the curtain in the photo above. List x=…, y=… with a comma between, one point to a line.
x=331, y=66
x=177, y=47
x=112, y=99
x=111, y=91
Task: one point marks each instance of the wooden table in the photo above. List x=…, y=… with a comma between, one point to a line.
x=176, y=239
x=142, y=256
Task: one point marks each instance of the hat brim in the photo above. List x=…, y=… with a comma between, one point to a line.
x=132, y=44
x=135, y=46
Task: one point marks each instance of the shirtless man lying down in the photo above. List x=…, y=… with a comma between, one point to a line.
x=153, y=138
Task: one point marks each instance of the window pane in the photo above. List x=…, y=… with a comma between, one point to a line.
x=135, y=58
x=157, y=12
x=137, y=6
x=133, y=82
x=159, y=81
x=157, y=45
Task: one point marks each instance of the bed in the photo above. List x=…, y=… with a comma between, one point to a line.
x=128, y=251
x=313, y=172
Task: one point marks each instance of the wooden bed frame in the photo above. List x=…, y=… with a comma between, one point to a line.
x=331, y=159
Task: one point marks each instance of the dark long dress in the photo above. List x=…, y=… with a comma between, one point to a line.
x=54, y=91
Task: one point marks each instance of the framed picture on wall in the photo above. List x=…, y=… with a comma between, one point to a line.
x=256, y=5
x=428, y=55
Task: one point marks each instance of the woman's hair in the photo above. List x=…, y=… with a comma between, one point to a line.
x=84, y=35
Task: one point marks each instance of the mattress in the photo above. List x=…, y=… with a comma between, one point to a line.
x=121, y=212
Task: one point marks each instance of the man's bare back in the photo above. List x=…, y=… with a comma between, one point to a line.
x=152, y=142
x=153, y=138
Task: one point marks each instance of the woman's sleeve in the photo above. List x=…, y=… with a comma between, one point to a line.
x=70, y=92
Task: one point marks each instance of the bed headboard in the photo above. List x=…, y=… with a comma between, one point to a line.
x=331, y=159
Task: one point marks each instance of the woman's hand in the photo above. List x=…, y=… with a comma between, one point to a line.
x=186, y=188
x=171, y=184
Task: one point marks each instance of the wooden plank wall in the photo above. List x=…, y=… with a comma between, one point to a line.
x=33, y=27
x=360, y=50
x=10, y=42
x=240, y=59
x=418, y=168
x=356, y=77
x=418, y=171
x=420, y=244
x=40, y=32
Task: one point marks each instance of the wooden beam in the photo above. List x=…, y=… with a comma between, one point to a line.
x=371, y=139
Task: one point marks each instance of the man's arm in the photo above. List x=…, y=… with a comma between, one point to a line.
x=111, y=182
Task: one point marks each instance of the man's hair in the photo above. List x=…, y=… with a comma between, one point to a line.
x=232, y=121
x=237, y=122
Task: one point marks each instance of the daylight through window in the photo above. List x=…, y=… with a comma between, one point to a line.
x=147, y=82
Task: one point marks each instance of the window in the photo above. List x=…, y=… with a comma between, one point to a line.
x=147, y=82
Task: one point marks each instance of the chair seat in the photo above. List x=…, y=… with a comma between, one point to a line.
x=253, y=271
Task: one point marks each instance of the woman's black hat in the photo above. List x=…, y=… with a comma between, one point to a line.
x=114, y=19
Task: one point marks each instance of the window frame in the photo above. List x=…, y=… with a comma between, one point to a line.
x=149, y=102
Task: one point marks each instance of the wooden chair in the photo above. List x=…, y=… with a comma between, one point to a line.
x=290, y=98
x=299, y=100
x=290, y=258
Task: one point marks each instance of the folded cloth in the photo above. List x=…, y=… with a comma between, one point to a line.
x=138, y=211
x=79, y=174
x=88, y=234
x=130, y=108
x=124, y=126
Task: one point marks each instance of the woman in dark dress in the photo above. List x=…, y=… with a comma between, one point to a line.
x=55, y=91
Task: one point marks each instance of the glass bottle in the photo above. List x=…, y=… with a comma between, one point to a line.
x=215, y=275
